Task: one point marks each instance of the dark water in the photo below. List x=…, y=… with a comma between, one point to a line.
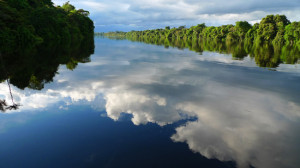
x=138, y=105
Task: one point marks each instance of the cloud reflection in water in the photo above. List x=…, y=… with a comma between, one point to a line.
x=244, y=113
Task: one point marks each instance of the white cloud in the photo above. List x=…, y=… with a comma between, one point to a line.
x=238, y=124
x=147, y=14
x=144, y=108
x=98, y=6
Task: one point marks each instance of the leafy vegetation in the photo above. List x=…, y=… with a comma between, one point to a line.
x=28, y=23
x=276, y=29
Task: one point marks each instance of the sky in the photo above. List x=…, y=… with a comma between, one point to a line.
x=127, y=15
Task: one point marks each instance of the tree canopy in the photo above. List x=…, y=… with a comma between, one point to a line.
x=28, y=23
x=276, y=29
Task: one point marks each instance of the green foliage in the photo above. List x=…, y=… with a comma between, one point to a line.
x=273, y=28
x=241, y=28
x=28, y=23
x=68, y=7
x=292, y=33
x=252, y=33
x=34, y=67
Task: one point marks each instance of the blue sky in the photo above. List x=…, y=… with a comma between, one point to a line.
x=126, y=15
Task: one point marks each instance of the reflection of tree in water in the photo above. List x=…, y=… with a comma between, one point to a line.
x=36, y=66
x=3, y=105
x=14, y=105
x=265, y=55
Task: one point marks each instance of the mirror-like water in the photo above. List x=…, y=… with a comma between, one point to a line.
x=141, y=105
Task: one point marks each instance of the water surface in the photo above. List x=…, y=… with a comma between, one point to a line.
x=139, y=105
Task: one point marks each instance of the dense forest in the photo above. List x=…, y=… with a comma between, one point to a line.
x=36, y=37
x=275, y=29
x=28, y=23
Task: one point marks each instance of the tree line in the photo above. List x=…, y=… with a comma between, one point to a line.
x=275, y=29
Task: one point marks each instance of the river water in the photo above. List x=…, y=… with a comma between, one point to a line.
x=140, y=105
